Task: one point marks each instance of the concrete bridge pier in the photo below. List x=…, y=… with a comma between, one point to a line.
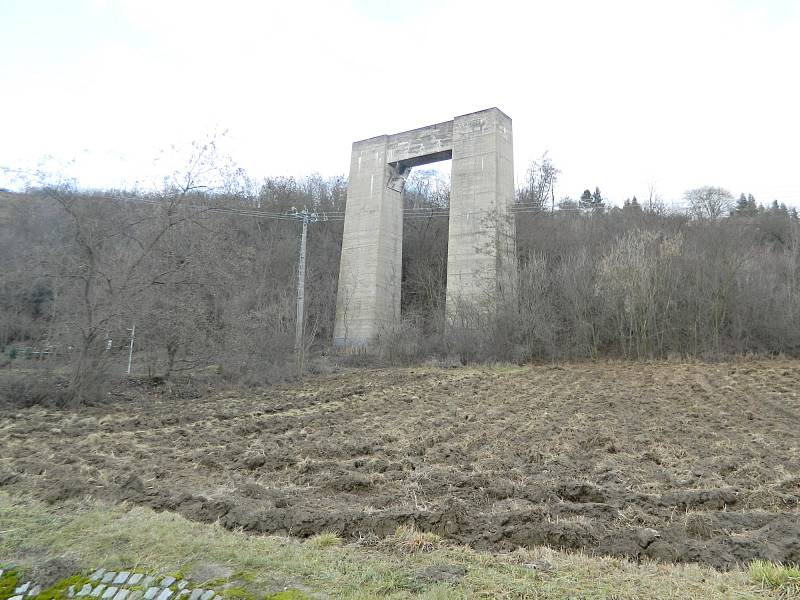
x=481, y=237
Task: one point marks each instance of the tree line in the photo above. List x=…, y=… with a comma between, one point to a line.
x=209, y=281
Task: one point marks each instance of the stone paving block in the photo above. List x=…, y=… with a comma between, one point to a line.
x=182, y=584
x=1, y=572
x=23, y=588
x=167, y=581
x=135, y=578
x=97, y=575
x=98, y=590
x=195, y=595
x=108, y=577
x=121, y=595
x=217, y=597
x=135, y=595
x=71, y=591
x=109, y=593
x=148, y=581
x=165, y=594
x=35, y=590
x=85, y=590
x=208, y=595
x=150, y=593
x=182, y=594
x=121, y=577
x=19, y=597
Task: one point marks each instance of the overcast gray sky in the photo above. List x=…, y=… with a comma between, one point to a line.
x=622, y=94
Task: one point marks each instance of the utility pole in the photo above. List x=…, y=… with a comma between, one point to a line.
x=299, y=343
x=130, y=351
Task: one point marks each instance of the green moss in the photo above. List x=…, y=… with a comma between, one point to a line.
x=290, y=594
x=214, y=583
x=237, y=593
x=8, y=582
x=58, y=590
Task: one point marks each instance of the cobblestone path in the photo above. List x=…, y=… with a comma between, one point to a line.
x=112, y=585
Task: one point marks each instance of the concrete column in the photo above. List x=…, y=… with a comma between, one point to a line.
x=480, y=254
x=368, y=297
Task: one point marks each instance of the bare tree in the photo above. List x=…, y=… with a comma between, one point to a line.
x=709, y=202
x=538, y=191
x=655, y=203
x=106, y=266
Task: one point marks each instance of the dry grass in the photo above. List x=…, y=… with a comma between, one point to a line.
x=90, y=534
x=407, y=538
x=699, y=525
x=326, y=539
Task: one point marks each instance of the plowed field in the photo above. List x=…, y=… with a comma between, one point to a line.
x=676, y=462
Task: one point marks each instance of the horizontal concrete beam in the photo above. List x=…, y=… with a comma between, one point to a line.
x=425, y=159
x=424, y=141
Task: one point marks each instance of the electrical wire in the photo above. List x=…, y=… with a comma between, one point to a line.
x=414, y=213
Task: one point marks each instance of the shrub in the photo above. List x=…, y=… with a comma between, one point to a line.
x=33, y=389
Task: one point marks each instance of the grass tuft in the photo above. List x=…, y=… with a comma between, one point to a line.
x=408, y=538
x=326, y=539
x=775, y=576
x=699, y=525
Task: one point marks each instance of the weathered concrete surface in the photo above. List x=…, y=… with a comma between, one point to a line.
x=369, y=272
x=481, y=242
x=480, y=251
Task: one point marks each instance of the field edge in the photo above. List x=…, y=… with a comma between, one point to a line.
x=93, y=533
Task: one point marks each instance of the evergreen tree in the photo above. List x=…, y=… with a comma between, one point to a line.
x=745, y=206
x=585, y=201
x=632, y=204
x=592, y=201
x=778, y=208
x=741, y=206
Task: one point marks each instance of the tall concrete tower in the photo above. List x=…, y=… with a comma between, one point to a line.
x=480, y=259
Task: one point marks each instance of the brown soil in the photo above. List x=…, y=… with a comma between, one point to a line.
x=676, y=462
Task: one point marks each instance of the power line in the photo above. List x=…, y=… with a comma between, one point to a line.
x=414, y=213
